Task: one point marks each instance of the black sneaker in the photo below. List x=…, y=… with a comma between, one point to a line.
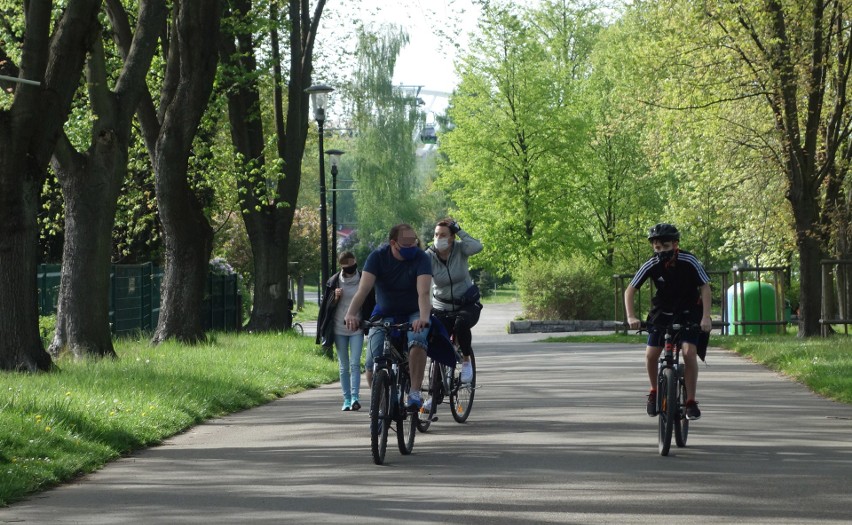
x=692, y=411
x=652, y=403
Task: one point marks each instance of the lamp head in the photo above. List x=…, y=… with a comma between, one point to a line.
x=319, y=99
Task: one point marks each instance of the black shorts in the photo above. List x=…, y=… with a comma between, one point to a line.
x=657, y=336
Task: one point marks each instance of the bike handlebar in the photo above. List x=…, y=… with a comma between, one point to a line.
x=387, y=325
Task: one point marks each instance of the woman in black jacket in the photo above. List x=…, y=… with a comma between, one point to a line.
x=338, y=293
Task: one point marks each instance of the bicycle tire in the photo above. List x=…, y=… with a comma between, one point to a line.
x=406, y=423
x=667, y=393
x=299, y=329
x=433, y=390
x=379, y=415
x=681, y=429
x=461, y=394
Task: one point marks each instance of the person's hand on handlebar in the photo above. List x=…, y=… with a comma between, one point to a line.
x=634, y=323
x=706, y=323
x=419, y=324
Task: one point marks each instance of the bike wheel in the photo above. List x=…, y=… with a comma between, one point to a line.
x=681, y=428
x=298, y=328
x=379, y=415
x=406, y=425
x=667, y=394
x=433, y=391
x=461, y=394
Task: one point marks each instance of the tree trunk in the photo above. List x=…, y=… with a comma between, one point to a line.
x=268, y=223
x=90, y=189
x=20, y=342
x=28, y=134
x=91, y=183
x=188, y=236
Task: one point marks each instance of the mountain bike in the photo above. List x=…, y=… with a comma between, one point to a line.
x=391, y=383
x=445, y=381
x=671, y=391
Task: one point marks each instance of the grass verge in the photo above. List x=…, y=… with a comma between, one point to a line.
x=824, y=365
x=58, y=425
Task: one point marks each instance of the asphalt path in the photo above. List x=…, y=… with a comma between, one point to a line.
x=558, y=434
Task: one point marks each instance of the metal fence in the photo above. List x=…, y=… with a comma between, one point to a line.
x=134, y=298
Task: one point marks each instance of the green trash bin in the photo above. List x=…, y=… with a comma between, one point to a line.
x=758, y=304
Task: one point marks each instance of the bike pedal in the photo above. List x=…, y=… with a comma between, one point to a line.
x=434, y=418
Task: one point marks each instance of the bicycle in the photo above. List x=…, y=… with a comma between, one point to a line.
x=671, y=391
x=391, y=383
x=296, y=326
x=443, y=380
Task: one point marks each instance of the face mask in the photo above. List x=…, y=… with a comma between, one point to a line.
x=349, y=270
x=442, y=244
x=408, y=253
x=666, y=256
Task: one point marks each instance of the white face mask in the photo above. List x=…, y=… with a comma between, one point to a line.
x=442, y=244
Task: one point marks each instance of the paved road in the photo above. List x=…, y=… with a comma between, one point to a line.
x=557, y=435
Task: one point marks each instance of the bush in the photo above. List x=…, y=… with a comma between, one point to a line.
x=573, y=289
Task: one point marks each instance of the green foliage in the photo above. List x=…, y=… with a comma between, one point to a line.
x=514, y=167
x=56, y=426
x=572, y=288
x=384, y=157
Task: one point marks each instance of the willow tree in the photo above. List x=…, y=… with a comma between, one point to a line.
x=385, y=118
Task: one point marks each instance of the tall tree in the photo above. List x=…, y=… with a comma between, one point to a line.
x=91, y=182
x=190, y=71
x=517, y=133
x=29, y=129
x=385, y=118
x=796, y=58
x=267, y=197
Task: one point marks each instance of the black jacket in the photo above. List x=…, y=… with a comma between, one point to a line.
x=325, y=330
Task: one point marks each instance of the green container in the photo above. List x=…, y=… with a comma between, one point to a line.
x=757, y=304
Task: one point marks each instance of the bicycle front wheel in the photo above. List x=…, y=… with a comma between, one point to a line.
x=298, y=328
x=461, y=394
x=681, y=427
x=667, y=392
x=406, y=425
x=433, y=391
x=379, y=415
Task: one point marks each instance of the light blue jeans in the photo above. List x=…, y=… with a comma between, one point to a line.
x=376, y=339
x=349, y=357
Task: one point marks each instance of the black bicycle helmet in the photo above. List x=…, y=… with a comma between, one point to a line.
x=664, y=232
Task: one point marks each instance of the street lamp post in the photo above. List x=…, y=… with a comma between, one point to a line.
x=319, y=97
x=334, y=157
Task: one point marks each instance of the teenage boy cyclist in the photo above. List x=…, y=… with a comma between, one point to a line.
x=683, y=294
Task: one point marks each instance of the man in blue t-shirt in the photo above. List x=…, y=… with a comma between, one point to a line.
x=402, y=274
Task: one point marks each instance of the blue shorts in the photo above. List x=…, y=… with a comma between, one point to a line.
x=376, y=339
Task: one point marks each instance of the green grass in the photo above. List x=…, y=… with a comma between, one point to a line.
x=506, y=294
x=58, y=425
x=824, y=365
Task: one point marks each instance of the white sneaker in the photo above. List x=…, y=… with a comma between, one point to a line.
x=466, y=372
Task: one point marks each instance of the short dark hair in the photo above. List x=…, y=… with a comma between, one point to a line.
x=396, y=230
x=345, y=255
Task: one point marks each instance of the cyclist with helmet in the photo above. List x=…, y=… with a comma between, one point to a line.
x=682, y=295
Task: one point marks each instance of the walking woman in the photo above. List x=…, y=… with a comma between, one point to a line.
x=339, y=291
